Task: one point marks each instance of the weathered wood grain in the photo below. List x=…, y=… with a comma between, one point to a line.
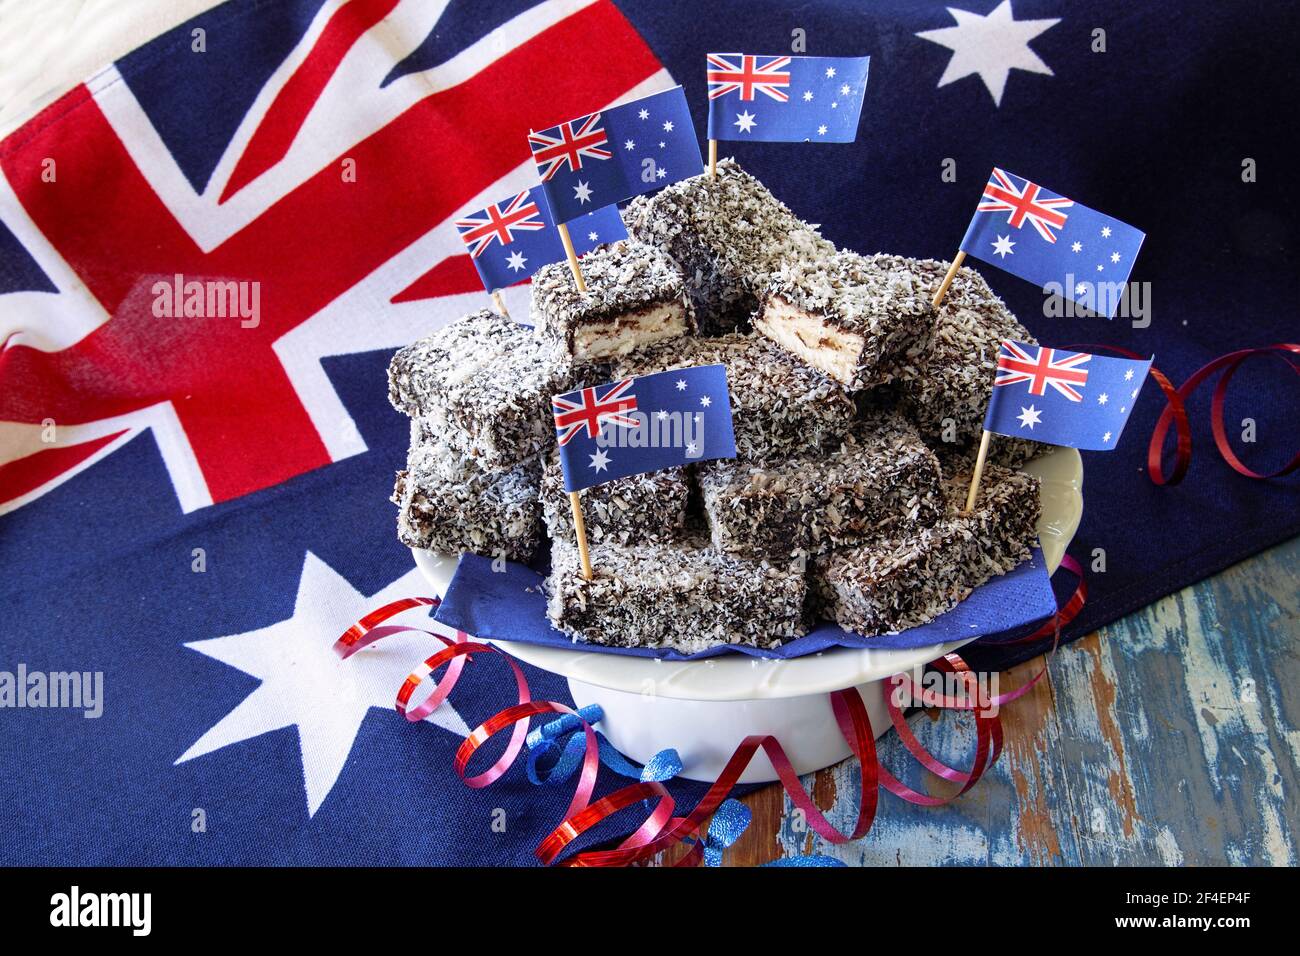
x=1169, y=737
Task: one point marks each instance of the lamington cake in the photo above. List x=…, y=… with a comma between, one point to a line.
x=882, y=477
x=453, y=504
x=648, y=508
x=483, y=386
x=686, y=596
x=946, y=387
x=780, y=406
x=727, y=235
x=909, y=578
x=635, y=297
x=852, y=316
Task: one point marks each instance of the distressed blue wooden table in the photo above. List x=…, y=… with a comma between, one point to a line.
x=1170, y=737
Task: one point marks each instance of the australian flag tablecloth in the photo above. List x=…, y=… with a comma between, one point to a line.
x=209, y=250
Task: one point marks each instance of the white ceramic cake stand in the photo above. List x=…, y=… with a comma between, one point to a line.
x=705, y=708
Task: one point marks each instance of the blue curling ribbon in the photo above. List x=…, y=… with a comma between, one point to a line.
x=546, y=739
x=564, y=734
x=729, y=823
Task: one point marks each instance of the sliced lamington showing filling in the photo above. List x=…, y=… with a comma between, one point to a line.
x=881, y=478
x=638, y=509
x=684, y=596
x=482, y=385
x=946, y=386
x=727, y=235
x=452, y=504
x=780, y=406
x=907, y=579
x=854, y=317
x=635, y=297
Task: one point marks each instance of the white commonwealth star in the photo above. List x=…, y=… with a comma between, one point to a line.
x=630, y=144
x=745, y=121
x=1030, y=417
x=1003, y=246
x=1076, y=247
x=516, y=261
x=681, y=385
x=807, y=96
x=581, y=192
x=599, y=461
x=1103, y=398
x=989, y=47
x=592, y=236
x=306, y=686
x=821, y=130
x=661, y=172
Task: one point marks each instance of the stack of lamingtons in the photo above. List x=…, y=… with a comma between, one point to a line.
x=857, y=407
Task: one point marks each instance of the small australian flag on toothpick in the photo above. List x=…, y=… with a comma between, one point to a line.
x=1063, y=398
x=1053, y=242
x=643, y=424
x=618, y=153
x=510, y=240
x=786, y=99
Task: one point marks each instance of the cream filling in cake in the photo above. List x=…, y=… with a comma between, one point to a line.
x=811, y=337
x=632, y=330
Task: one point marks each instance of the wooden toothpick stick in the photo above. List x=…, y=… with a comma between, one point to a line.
x=573, y=257
x=500, y=303
x=713, y=159
x=979, y=471
x=580, y=526
x=957, y=260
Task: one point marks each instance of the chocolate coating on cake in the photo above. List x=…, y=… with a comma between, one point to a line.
x=849, y=315
x=727, y=235
x=882, y=477
x=780, y=406
x=910, y=578
x=483, y=386
x=452, y=504
x=685, y=596
x=635, y=298
x=638, y=509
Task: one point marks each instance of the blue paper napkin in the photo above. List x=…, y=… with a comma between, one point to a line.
x=509, y=605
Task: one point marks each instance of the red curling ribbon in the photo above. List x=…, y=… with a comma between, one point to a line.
x=1175, y=412
x=662, y=830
